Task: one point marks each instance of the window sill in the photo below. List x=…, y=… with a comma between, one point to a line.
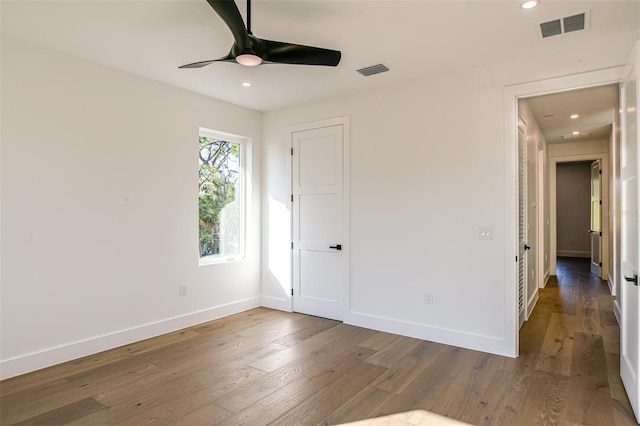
x=217, y=260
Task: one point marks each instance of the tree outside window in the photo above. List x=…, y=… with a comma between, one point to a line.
x=219, y=198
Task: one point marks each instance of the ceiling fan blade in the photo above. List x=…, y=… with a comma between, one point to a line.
x=201, y=64
x=198, y=64
x=228, y=11
x=288, y=53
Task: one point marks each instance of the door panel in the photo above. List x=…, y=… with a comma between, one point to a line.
x=523, y=224
x=629, y=295
x=596, y=217
x=320, y=270
x=320, y=214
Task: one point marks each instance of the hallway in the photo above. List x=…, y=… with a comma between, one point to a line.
x=570, y=345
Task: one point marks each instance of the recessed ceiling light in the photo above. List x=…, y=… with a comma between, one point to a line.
x=246, y=84
x=575, y=133
x=574, y=116
x=529, y=4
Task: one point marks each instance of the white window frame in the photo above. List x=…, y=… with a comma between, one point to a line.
x=242, y=196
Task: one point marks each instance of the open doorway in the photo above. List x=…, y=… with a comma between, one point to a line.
x=573, y=130
x=579, y=219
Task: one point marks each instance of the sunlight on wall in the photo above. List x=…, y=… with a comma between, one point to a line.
x=410, y=418
x=279, y=241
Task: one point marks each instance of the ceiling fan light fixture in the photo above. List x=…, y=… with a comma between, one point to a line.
x=529, y=4
x=248, y=60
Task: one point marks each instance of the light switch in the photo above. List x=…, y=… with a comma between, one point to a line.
x=485, y=233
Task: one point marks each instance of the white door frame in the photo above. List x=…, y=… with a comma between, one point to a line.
x=553, y=212
x=540, y=240
x=346, y=149
x=511, y=96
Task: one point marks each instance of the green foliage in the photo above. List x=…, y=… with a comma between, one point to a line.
x=219, y=173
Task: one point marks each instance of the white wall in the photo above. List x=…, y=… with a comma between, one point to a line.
x=573, y=194
x=427, y=169
x=99, y=218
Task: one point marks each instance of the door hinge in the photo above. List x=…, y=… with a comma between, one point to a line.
x=600, y=264
x=600, y=171
x=516, y=258
x=292, y=154
x=292, y=292
x=601, y=233
x=600, y=202
x=292, y=198
x=291, y=245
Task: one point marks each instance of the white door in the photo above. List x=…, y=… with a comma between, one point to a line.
x=596, y=217
x=320, y=274
x=629, y=329
x=523, y=225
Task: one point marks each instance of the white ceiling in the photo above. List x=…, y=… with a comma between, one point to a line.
x=595, y=107
x=415, y=38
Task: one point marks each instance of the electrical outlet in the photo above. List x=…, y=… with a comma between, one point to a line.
x=485, y=233
x=428, y=298
x=184, y=290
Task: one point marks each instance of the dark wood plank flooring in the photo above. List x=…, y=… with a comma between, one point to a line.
x=270, y=367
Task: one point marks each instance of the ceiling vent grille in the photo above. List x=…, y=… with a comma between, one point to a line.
x=565, y=25
x=576, y=135
x=374, y=69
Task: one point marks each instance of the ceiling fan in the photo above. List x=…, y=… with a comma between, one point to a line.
x=250, y=50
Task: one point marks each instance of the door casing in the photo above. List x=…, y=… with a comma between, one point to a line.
x=510, y=344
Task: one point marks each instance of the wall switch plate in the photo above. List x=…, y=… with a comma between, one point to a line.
x=428, y=298
x=485, y=232
x=184, y=290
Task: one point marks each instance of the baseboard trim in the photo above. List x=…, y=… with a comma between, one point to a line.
x=616, y=310
x=34, y=361
x=570, y=253
x=547, y=275
x=478, y=342
x=531, y=304
x=612, y=289
x=276, y=303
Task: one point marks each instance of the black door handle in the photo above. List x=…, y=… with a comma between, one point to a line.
x=633, y=279
x=337, y=247
x=526, y=247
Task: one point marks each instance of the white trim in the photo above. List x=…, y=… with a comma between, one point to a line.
x=547, y=275
x=477, y=342
x=610, y=283
x=36, y=360
x=343, y=121
x=511, y=96
x=616, y=310
x=540, y=241
x=279, y=303
x=531, y=304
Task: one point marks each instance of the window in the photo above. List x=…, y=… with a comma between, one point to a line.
x=220, y=197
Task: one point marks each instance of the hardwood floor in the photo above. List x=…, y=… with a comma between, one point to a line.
x=269, y=367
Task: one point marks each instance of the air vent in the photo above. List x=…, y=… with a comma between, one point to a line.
x=573, y=23
x=374, y=69
x=576, y=136
x=565, y=25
